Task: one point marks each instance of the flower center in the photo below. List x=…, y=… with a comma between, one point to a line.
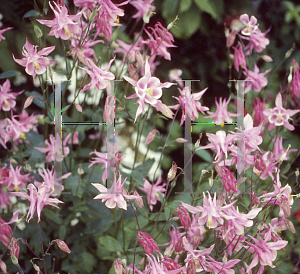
x=22, y=135
x=37, y=66
x=6, y=103
x=150, y=91
x=67, y=30
x=279, y=118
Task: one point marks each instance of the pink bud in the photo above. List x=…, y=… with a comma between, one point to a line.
x=14, y=248
x=150, y=136
x=139, y=201
x=5, y=231
x=267, y=58
x=63, y=246
x=28, y=101
x=290, y=225
x=181, y=140
x=286, y=206
x=3, y=266
x=78, y=107
x=184, y=217
x=148, y=244
x=230, y=39
x=172, y=172
x=118, y=266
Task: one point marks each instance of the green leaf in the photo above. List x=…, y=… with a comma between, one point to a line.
x=65, y=108
x=210, y=7
x=288, y=4
x=88, y=261
x=99, y=226
x=204, y=154
x=161, y=197
x=31, y=13
x=53, y=216
x=62, y=232
x=110, y=243
x=167, y=212
x=9, y=73
x=184, y=5
x=169, y=9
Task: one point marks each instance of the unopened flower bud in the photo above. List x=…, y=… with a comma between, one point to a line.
x=3, y=266
x=148, y=244
x=297, y=173
x=289, y=52
x=290, y=77
x=80, y=170
x=290, y=226
x=139, y=200
x=181, y=140
x=37, y=31
x=93, y=15
x=286, y=206
x=266, y=58
x=63, y=246
x=230, y=39
x=184, y=217
x=172, y=23
x=197, y=144
x=28, y=101
x=125, y=191
x=14, y=249
x=172, y=172
x=150, y=136
x=14, y=259
x=166, y=111
x=118, y=266
x=78, y=107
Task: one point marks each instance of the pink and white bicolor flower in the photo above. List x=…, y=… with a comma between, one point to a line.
x=148, y=90
x=279, y=116
x=35, y=62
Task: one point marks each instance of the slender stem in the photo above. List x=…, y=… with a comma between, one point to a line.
x=43, y=255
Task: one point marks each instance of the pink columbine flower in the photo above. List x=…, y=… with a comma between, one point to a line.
x=221, y=114
x=150, y=137
x=143, y=7
x=63, y=25
x=35, y=62
x=219, y=142
x=264, y=252
x=294, y=86
x=258, y=41
x=175, y=75
x=152, y=191
x=239, y=58
x=278, y=151
x=256, y=80
x=99, y=77
x=211, y=212
x=63, y=246
x=148, y=89
x=229, y=181
x=2, y=31
x=147, y=242
x=161, y=37
x=189, y=103
x=250, y=25
x=7, y=99
x=50, y=179
x=259, y=116
x=38, y=199
x=15, y=180
x=114, y=195
x=184, y=217
x=279, y=116
x=52, y=154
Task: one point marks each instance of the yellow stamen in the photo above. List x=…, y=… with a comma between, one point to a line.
x=222, y=125
x=117, y=21
x=209, y=222
x=16, y=188
x=279, y=118
x=37, y=65
x=6, y=103
x=22, y=135
x=150, y=91
x=67, y=30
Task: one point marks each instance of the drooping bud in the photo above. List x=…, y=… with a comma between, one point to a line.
x=181, y=140
x=230, y=39
x=78, y=107
x=286, y=206
x=266, y=58
x=138, y=201
x=184, y=217
x=151, y=136
x=28, y=101
x=14, y=250
x=172, y=172
x=80, y=170
x=148, y=244
x=63, y=246
x=3, y=267
x=289, y=225
x=37, y=31
x=118, y=266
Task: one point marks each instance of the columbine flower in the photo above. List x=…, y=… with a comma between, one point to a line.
x=99, y=77
x=256, y=80
x=250, y=25
x=148, y=90
x=152, y=191
x=63, y=25
x=239, y=58
x=114, y=195
x=143, y=8
x=7, y=99
x=189, y=103
x=52, y=154
x=38, y=199
x=34, y=61
x=279, y=116
x=221, y=114
x=5, y=232
x=147, y=242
